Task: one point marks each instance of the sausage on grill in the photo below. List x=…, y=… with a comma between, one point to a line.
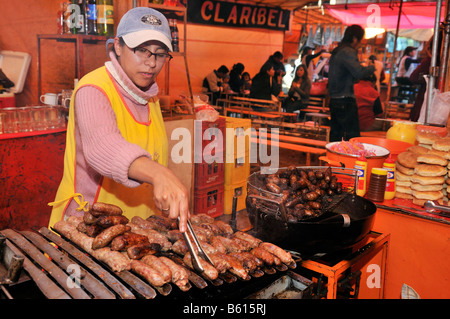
x=99, y=209
x=285, y=256
x=106, y=236
x=147, y=272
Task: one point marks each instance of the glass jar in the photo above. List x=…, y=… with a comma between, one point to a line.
x=403, y=131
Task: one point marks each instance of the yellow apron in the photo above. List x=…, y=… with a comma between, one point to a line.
x=151, y=136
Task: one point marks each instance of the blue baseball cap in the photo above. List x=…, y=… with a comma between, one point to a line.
x=143, y=24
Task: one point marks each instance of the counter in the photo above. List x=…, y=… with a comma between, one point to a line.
x=31, y=167
x=419, y=250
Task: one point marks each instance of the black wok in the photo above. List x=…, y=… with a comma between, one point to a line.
x=338, y=229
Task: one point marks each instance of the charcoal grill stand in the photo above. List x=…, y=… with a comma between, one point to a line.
x=363, y=255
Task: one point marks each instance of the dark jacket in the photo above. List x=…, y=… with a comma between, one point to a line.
x=262, y=88
x=344, y=70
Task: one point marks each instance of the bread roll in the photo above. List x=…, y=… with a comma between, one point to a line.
x=402, y=169
x=408, y=159
x=400, y=177
x=426, y=188
x=442, y=144
x=432, y=159
x=437, y=152
x=403, y=189
x=429, y=195
x=403, y=183
x=430, y=170
x=427, y=180
x=427, y=138
x=417, y=149
x=403, y=195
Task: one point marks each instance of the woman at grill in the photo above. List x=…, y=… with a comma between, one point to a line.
x=117, y=148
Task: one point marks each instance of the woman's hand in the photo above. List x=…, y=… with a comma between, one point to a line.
x=169, y=194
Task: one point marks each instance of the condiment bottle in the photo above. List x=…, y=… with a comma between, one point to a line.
x=361, y=166
x=389, y=165
x=377, y=184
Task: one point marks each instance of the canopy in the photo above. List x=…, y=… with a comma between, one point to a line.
x=415, y=15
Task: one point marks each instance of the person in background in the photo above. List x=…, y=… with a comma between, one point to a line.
x=344, y=70
x=417, y=76
x=276, y=60
x=307, y=60
x=404, y=67
x=298, y=95
x=212, y=83
x=379, y=71
x=246, y=83
x=369, y=104
x=264, y=85
x=236, y=81
x=117, y=148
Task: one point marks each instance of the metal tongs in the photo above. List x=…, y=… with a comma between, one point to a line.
x=434, y=207
x=195, y=251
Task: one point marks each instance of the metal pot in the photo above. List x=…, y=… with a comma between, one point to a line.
x=341, y=227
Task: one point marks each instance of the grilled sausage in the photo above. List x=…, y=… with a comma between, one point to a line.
x=220, y=263
x=152, y=235
x=198, y=219
x=122, y=242
x=159, y=266
x=224, y=227
x=273, y=188
x=180, y=275
x=264, y=255
x=106, y=236
x=106, y=221
x=236, y=266
x=89, y=219
x=99, y=209
x=209, y=271
x=217, y=244
x=284, y=255
x=174, y=235
x=248, y=263
x=253, y=241
x=140, y=250
x=147, y=272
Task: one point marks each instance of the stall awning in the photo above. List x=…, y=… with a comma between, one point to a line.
x=415, y=15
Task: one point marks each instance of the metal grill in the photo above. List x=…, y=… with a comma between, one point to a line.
x=56, y=268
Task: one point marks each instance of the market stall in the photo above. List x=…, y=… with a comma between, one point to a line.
x=323, y=226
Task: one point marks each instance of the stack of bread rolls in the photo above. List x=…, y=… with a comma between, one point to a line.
x=422, y=171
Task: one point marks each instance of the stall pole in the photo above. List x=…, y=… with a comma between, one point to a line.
x=391, y=70
x=433, y=69
x=445, y=47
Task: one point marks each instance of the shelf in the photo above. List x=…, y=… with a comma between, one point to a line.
x=78, y=41
x=73, y=37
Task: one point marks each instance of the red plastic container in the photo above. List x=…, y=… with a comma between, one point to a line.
x=208, y=134
x=209, y=201
x=207, y=175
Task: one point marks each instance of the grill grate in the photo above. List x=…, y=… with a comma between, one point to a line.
x=59, y=268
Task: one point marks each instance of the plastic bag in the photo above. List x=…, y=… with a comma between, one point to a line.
x=203, y=111
x=439, y=108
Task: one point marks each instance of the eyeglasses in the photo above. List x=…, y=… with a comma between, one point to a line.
x=143, y=54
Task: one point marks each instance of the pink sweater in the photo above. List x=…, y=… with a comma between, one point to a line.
x=101, y=150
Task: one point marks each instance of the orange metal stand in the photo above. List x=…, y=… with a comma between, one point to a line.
x=375, y=243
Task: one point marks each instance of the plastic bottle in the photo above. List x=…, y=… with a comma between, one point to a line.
x=361, y=166
x=389, y=165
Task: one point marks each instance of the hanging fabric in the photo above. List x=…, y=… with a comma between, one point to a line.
x=318, y=37
x=303, y=38
x=327, y=36
x=310, y=40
